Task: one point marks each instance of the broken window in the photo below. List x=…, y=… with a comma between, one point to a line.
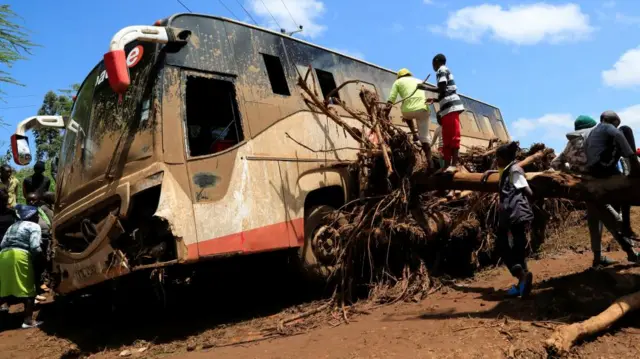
x=276, y=75
x=327, y=83
x=213, y=122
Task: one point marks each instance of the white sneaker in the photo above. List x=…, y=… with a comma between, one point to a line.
x=32, y=325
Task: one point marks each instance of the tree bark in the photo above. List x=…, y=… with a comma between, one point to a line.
x=564, y=337
x=612, y=190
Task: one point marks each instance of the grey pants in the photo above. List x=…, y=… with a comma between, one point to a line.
x=599, y=214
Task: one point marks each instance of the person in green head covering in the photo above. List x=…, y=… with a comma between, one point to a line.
x=573, y=159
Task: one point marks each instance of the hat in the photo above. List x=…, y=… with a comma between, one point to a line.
x=583, y=122
x=25, y=212
x=404, y=72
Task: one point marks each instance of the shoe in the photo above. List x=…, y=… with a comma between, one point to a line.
x=603, y=262
x=33, y=324
x=514, y=291
x=451, y=170
x=525, y=284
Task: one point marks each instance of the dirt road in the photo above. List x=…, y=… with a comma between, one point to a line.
x=464, y=319
x=472, y=320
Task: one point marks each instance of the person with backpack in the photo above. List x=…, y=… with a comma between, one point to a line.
x=514, y=218
x=574, y=160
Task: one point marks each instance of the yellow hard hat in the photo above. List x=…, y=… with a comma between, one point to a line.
x=404, y=72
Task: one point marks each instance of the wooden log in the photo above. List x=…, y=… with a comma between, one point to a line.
x=565, y=337
x=613, y=190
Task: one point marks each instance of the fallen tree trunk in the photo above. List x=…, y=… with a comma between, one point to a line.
x=564, y=337
x=613, y=190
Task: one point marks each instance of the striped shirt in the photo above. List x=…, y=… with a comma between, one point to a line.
x=450, y=101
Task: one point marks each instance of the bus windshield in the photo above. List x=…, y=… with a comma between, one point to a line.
x=104, y=122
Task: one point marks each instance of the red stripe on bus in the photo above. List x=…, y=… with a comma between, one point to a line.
x=267, y=238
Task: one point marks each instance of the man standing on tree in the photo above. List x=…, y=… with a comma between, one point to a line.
x=37, y=183
x=414, y=105
x=449, y=114
x=605, y=145
x=10, y=184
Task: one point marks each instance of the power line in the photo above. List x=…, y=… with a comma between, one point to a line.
x=269, y=11
x=245, y=10
x=294, y=20
x=184, y=6
x=229, y=10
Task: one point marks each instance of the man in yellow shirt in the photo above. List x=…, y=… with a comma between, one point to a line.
x=9, y=183
x=414, y=106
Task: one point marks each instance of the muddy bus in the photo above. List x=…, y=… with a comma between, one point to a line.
x=180, y=148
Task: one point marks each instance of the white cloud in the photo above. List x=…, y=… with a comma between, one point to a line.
x=625, y=72
x=522, y=25
x=627, y=19
x=305, y=12
x=352, y=53
x=550, y=129
x=609, y=4
x=428, y=2
x=630, y=116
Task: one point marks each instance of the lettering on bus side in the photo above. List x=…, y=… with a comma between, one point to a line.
x=86, y=272
x=133, y=58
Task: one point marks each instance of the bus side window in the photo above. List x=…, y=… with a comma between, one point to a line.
x=486, y=124
x=500, y=131
x=275, y=71
x=433, y=113
x=327, y=83
x=468, y=118
x=213, y=122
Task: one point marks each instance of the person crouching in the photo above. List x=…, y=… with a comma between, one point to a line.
x=514, y=217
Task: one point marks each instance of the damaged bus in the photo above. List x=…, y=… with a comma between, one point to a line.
x=180, y=148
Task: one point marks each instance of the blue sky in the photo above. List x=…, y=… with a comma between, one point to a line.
x=541, y=63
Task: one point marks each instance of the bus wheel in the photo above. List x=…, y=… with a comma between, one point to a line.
x=319, y=253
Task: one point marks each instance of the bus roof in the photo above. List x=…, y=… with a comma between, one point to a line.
x=304, y=42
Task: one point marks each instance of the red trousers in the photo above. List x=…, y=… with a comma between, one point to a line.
x=450, y=134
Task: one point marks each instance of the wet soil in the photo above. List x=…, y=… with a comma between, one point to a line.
x=233, y=300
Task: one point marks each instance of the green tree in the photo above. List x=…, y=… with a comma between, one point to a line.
x=49, y=140
x=14, y=43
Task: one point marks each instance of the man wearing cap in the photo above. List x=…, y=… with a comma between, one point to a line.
x=604, y=147
x=414, y=106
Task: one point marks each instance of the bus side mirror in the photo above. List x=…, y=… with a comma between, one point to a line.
x=20, y=150
x=115, y=63
x=20, y=142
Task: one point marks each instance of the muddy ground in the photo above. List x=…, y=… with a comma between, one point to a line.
x=465, y=318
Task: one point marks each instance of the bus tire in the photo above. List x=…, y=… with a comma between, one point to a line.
x=317, y=222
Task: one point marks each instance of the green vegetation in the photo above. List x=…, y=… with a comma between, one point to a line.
x=14, y=43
